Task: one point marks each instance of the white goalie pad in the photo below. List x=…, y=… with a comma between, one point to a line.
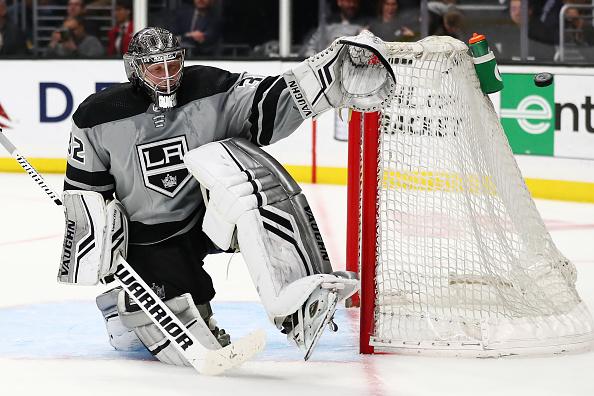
x=95, y=234
x=120, y=337
x=282, y=272
x=155, y=341
x=352, y=72
x=276, y=230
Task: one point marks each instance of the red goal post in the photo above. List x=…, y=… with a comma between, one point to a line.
x=361, y=219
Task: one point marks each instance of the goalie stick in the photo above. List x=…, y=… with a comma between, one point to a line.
x=28, y=168
x=205, y=361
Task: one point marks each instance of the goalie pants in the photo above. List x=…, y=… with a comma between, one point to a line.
x=176, y=265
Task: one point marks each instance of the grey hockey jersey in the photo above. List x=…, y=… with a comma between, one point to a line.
x=120, y=144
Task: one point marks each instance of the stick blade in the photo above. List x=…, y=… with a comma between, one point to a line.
x=233, y=355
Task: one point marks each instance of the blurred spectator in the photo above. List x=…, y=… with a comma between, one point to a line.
x=450, y=23
x=78, y=8
x=12, y=40
x=73, y=40
x=199, y=27
x=583, y=31
x=437, y=9
x=408, y=4
x=544, y=20
x=394, y=25
x=505, y=40
x=75, y=8
x=15, y=12
x=120, y=35
x=579, y=35
x=346, y=23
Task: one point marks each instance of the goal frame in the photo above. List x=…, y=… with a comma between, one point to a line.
x=362, y=245
x=362, y=205
x=490, y=282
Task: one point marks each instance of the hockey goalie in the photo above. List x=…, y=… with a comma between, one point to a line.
x=167, y=168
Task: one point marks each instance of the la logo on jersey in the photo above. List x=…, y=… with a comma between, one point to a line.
x=162, y=165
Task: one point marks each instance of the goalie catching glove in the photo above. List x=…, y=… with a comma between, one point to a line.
x=352, y=72
x=95, y=234
x=251, y=194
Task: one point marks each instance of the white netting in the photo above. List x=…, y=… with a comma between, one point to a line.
x=464, y=259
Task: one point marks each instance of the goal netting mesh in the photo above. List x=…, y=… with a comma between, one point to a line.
x=464, y=262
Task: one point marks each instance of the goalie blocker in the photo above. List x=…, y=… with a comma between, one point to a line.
x=251, y=197
x=95, y=234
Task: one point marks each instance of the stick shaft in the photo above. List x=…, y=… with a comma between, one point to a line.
x=175, y=331
x=29, y=168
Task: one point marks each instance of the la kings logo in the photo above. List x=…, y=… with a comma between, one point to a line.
x=162, y=165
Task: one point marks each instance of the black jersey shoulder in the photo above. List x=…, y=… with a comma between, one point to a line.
x=123, y=100
x=111, y=104
x=203, y=81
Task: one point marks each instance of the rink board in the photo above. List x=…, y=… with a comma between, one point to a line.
x=38, y=120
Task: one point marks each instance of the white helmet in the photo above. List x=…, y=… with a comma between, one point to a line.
x=154, y=62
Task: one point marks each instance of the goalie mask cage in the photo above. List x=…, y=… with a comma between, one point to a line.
x=454, y=256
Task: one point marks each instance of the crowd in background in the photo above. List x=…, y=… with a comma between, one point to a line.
x=230, y=28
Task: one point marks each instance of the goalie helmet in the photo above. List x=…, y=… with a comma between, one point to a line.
x=154, y=62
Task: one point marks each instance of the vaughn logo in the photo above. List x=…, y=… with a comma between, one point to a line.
x=317, y=235
x=299, y=99
x=67, y=251
x=162, y=165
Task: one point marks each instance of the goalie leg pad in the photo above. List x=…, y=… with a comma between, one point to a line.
x=198, y=319
x=281, y=269
x=120, y=337
x=276, y=230
x=95, y=234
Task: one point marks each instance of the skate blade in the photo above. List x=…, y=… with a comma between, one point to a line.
x=220, y=360
x=321, y=329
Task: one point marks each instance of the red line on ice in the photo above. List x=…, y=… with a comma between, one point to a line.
x=29, y=240
x=569, y=227
x=372, y=378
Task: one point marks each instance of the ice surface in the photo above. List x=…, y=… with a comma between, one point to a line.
x=52, y=340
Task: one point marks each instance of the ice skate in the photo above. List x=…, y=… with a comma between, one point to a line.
x=305, y=327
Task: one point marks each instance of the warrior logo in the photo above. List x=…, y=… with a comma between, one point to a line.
x=162, y=165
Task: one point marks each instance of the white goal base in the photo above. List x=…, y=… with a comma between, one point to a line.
x=549, y=335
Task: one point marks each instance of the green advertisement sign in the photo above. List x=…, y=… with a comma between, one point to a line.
x=528, y=115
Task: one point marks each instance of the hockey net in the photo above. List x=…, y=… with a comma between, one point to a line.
x=454, y=256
